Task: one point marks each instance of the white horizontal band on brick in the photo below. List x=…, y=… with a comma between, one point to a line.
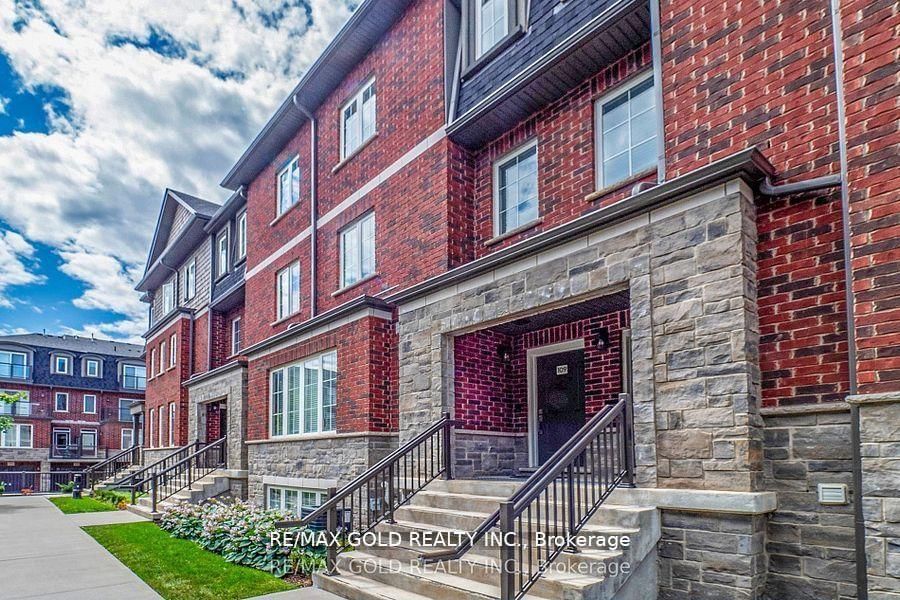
x=278, y=253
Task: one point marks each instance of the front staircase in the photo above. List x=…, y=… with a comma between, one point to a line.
x=382, y=572
x=213, y=485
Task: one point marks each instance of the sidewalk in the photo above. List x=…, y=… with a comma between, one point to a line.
x=45, y=554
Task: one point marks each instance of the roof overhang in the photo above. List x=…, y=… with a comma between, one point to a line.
x=622, y=27
x=180, y=248
x=369, y=22
x=231, y=207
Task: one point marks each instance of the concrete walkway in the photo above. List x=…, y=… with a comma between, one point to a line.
x=45, y=554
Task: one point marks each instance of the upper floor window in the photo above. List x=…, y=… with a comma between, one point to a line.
x=152, y=361
x=190, y=280
x=92, y=367
x=17, y=436
x=515, y=189
x=62, y=365
x=626, y=132
x=358, y=120
x=289, y=185
x=90, y=404
x=168, y=291
x=61, y=402
x=242, y=236
x=125, y=411
x=358, y=250
x=222, y=253
x=491, y=24
x=134, y=377
x=162, y=357
x=13, y=365
x=303, y=396
x=288, y=290
x=171, y=424
x=173, y=350
x=236, y=336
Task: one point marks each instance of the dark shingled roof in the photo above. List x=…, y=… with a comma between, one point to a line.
x=198, y=205
x=74, y=343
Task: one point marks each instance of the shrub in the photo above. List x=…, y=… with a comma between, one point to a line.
x=110, y=496
x=66, y=488
x=2, y=487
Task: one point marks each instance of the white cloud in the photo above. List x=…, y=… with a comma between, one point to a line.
x=4, y=102
x=17, y=265
x=138, y=121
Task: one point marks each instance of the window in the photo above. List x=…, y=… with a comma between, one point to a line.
x=222, y=253
x=152, y=361
x=61, y=364
x=168, y=290
x=17, y=436
x=125, y=409
x=171, y=424
x=150, y=427
x=62, y=440
x=159, y=432
x=127, y=438
x=91, y=367
x=173, y=350
x=90, y=404
x=288, y=290
x=190, y=280
x=295, y=501
x=162, y=358
x=134, y=377
x=88, y=442
x=61, y=402
x=358, y=251
x=288, y=186
x=358, y=120
x=626, y=129
x=515, y=189
x=303, y=396
x=242, y=236
x=13, y=365
x=236, y=336
x=491, y=24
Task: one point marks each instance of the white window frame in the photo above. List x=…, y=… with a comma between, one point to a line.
x=614, y=94
x=242, y=236
x=87, y=367
x=119, y=408
x=163, y=356
x=236, y=334
x=168, y=293
x=361, y=123
x=12, y=368
x=159, y=429
x=222, y=253
x=173, y=350
x=84, y=404
x=152, y=363
x=294, y=422
x=357, y=228
x=122, y=437
x=171, y=424
x=190, y=280
x=136, y=376
x=68, y=364
x=283, y=505
x=287, y=303
x=56, y=396
x=96, y=435
x=292, y=170
x=480, y=50
x=15, y=433
x=497, y=167
x=150, y=426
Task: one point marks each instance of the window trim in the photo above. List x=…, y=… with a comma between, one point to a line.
x=84, y=404
x=320, y=413
x=357, y=225
x=169, y=285
x=357, y=96
x=293, y=162
x=322, y=496
x=222, y=270
x=55, y=364
x=236, y=348
x=279, y=314
x=241, y=232
x=56, y=396
x=159, y=427
x=136, y=376
x=620, y=88
x=163, y=356
x=495, y=184
x=24, y=366
x=190, y=280
x=173, y=350
x=150, y=412
x=122, y=445
x=17, y=428
x=479, y=51
x=171, y=428
x=86, y=372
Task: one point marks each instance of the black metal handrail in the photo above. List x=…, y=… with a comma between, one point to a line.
x=171, y=480
x=137, y=481
x=570, y=486
x=111, y=467
x=373, y=496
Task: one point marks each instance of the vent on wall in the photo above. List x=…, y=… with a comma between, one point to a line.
x=833, y=493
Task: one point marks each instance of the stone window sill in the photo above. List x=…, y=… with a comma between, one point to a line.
x=353, y=154
x=353, y=285
x=514, y=232
x=602, y=192
x=278, y=322
x=285, y=213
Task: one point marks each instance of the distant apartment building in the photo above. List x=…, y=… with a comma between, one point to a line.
x=76, y=398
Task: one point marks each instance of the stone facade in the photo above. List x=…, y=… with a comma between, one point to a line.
x=228, y=385
x=485, y=454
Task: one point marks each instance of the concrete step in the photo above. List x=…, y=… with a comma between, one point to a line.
x=498, y=488
x=355, y=587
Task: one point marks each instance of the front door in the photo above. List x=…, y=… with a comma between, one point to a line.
x=223, y=421
x=559, y=387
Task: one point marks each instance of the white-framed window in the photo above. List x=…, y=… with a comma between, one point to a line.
x=625, y=131
x=171, y=424
x=173, y=350
x=162, y=357
x=62, y=365
x=88, y=442
x=90, y=404
x=62, y=439
x=288, y=185
x=242, y=236
x=61, y=402
x=20, y=435
x=236, y=336
x=125, y=409
x=168, y=291
x=296, y=501
x=516, y=189
x=127, y=440
x=13, y=365
x=152, y=361
x=190, y=280
x=222, y=253
x=303, y=396
x=358, y=119
x=288, y=290
x=358, y=250
x=150, y=413
x=134, y=377
x=159, y=429
x=92, y=367
x=491, y=24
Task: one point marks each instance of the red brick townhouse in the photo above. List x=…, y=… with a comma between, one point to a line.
x=515, y=211
x=74, y=408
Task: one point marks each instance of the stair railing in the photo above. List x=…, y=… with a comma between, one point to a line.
x=557, y=500
x=187, y=471
x=111, y=466
x=373, y=496
x=136, y=482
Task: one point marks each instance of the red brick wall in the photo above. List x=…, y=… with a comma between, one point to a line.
x=166, y=387
x=366, y=384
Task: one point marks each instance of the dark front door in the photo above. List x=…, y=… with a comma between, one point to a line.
x=223, y=422
x=559, y=383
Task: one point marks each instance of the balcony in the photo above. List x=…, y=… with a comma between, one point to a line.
x=75, y=451
x=11, y=370
x=18, y=409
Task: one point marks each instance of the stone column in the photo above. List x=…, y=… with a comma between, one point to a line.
x=879, y=432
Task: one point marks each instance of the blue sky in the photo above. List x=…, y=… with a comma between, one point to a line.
x=105, y=104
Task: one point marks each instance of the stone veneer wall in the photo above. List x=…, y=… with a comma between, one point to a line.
x=481, y=453
x=229, y=386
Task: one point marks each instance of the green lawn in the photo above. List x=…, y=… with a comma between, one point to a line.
x=180, y=569
x=70, y=506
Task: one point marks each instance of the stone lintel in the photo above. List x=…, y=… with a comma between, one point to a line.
x=879, y=398
x=743, y=503
x=321, y=436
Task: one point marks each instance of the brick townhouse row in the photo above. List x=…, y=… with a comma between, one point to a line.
x=516, y=210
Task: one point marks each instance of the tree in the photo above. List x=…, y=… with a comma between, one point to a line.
x=9, y=398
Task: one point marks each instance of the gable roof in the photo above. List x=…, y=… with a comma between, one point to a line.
x=75, y=343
